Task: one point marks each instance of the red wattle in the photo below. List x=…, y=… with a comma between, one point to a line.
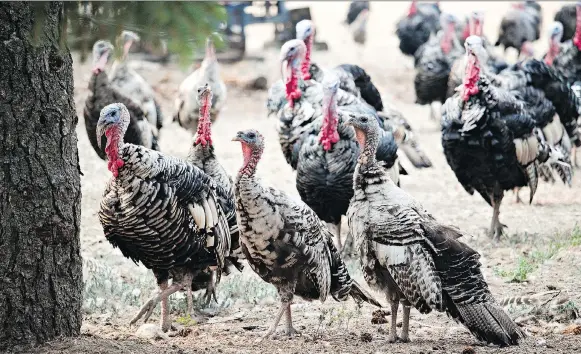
x=470, y=82
x=467, y=31
x=113, y=135
x=329, y=134
x=292, y=89
x=413, y=9
x=552, y=53
x=446, y=42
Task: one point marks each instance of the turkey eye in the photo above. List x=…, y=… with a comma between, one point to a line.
x=252, y=135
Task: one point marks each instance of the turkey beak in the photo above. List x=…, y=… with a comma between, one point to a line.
x=237, y=138
x=100, y=64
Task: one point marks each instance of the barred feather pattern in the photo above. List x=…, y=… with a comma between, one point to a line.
x=406, y=253
x=102, y=93
x=164, y=213
x=287, y=245
x=204, y=158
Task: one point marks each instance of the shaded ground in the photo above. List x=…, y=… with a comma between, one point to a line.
x=531, y=247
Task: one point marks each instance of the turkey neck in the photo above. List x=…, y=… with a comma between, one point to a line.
x=577, y=36
x=471, y=76
x=251, y=157
x=307, y=60
x=553, y=51
x=368, y=143
x=114, y=136
x=329, y=134
x=204, y=133
x=292, y=84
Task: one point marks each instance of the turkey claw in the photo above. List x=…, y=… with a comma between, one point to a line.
x=396, y=339
x=146, y=309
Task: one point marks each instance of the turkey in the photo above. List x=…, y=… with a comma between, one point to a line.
x=202, y=156
x=522, y=24
x=353, y=78
x=567, y=16
x=128, y=82
x=413, y=30
x=326, y=160
x=285, y=243
x=413, y=258
x=433, y=61
x=160, y=211
x=186, y=104
x=491, y=141
x=355, y=9
x=494, y=64
x=102, y=93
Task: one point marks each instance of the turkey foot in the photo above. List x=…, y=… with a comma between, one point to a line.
x=290, y=330
x=496, y=228
x=516, y=191
x=393, y=330
x=211, y=289
x=284, y=306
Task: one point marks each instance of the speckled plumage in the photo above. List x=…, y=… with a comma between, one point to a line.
x=413, y=258
x=284, y=241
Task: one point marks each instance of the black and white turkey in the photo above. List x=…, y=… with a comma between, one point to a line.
x=568, y=59
x=203, y=156
x=414, y=259
x=160, y=211
x=187, y=108
x=326, y=158
x=567, y=16
x=102, y=93
x=285, y=242
x=433, y=62
x=421, y=21
x=520, y=26
x=131, y=84
x=490, y=137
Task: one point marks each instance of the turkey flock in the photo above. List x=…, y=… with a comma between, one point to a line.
x=503, y=127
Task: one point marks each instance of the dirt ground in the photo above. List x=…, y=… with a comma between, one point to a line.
x=332, y=327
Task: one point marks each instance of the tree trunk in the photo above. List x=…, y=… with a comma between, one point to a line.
x=40, y=192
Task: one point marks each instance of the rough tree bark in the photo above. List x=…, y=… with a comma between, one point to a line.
x=40, y=193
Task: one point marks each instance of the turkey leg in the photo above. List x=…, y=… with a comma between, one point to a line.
x=149, y=306
x=496, y=228
x=393, y=331
x=211, y=288
x=405, y=328
x=516, y=191
x=290, y=330
x=284, y=306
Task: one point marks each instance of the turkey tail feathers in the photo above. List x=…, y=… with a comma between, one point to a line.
x=359, y=294
x=488, y=322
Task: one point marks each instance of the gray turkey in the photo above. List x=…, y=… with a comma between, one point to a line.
x=520, y=26
x=285, y=242
x=186, y=104
x=160, y=211
x=359, y=27
x=490, y=137
x=127, y=81
x=567, y=16
x=433, y=62
x=102, y=93
x=353, y=78
x=413, y=258
x=421, y=21
x=494, y=64
x=202, y=156
x=326, y=158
